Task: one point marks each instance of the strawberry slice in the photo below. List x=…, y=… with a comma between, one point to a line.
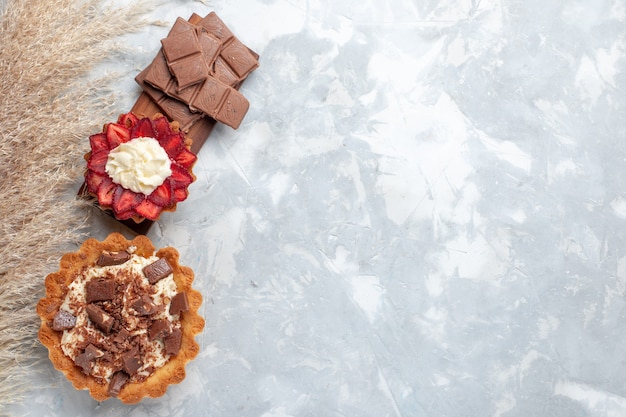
x=162, y=195
x=98, y=142
x=172, y=143
x=93, y=180
x=148, y=209
x=181, y=194
x=128, y=120
x=143, y=128
x=185, y=158
x=105, y=192
x=97, y=162
x=162, y=127
x=180, y=177
x=116, y=134
x=124, y=201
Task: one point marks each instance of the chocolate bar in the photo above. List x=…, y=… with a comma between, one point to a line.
x=200, y=66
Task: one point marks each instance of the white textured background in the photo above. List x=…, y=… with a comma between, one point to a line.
x=422, y=214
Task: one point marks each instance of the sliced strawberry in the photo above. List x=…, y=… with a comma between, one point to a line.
x=181, y=194
x=143, y=128
x=180, y=177
x=98, y=142
x=162, y=127
x=148, y=209
x=162, y=195
x=116, y=134
x=128, y=120
x=185, y=158
x=125, y=200
x=105, y=192
x=97, y=161
x=93, y=180
x=173, y=143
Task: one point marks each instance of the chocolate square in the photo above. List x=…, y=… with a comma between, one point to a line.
x=214, y=25
x=210, y=47
x=223, y=72
x=210, y=96
x=233, y=109
x=158, y=73
x=180, y=45
x=189, y=70
x=239, y=58
x=181, y=25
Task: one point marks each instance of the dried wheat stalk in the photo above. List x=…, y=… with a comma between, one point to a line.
x=47, y=110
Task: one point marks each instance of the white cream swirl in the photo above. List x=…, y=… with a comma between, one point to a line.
x=140, y=165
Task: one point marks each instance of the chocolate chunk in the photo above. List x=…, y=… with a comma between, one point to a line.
x=158, y=270
x=118, y=380
x=85, y=359
x=159, y=329
x=131, y=361
x=93, y=352
x=112, y=258
x=100, y=318
x=100, y=290
x=179, y=303
x=63, y=320
x=144, y=306
x=121, y=336
x=173, y=342
x=83, y=362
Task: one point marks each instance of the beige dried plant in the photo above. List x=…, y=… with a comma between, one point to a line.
x=48, y=108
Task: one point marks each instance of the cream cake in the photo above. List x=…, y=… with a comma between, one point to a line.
x=119, y=319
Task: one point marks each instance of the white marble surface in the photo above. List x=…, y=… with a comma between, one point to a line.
x=423, y=214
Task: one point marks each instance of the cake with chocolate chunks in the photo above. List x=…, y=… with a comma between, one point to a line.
x=120, y=319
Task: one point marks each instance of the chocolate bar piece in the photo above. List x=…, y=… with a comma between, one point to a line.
x=173, y=342
x=118, y=380
x=185, y=58
x=159, y=329
x=157, y=270
x=112, y=258
x=100, y=290
x=144, y=306
x=174, y=109
x=179, y=303
x=85, y=360
x=131, y=360
x=100, y=318
x=63, y=320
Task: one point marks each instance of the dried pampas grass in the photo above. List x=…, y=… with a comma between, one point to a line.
x=47, y=110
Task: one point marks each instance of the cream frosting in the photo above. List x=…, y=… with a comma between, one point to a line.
x=140, y=165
